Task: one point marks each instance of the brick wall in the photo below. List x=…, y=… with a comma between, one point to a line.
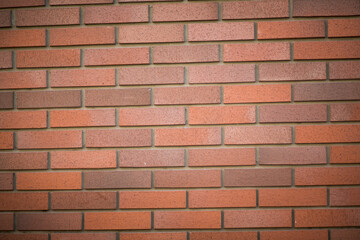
x=179, y=120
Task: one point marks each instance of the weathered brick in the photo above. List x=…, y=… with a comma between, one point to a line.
x=345, y=196
x=327, y=217
x=343, y=27
x=82, y=78
x=22, y=38
x=48, y=221
x=223, y=235
x=295, y=235
x=344, y=112
x=117, y=220
x=327, y=133
x=6, y=140
x=6, y=100
x=23, y=119
x=71, y=2
x=6, y=221
x=83, y=236
x=344, y=234
x=344, y=70
x=6, y=59
x=83, y=200
x=116, y=56
x=153, y=235
x=5, y=18
x=309, y=8
x=326, y=50
x=21, y=3
x=6, y=182
x=23, y=79
x=82, y=118
x=48, y=180
x=47, y=17
x=23, y=201
x=345, y=154
x=23, y=161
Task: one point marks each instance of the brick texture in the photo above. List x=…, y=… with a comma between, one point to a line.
x=23, y=201
x=48, y=180
x=345, y=154
x=25, y=79
x=47, y=17
x=344, y=70
x=148, y=76
x=23, y=161
x=49, y=221
x=23, y=119
x=82, y=118
x=308, y=8
x=117, y=56
x=14, y=38
x=82, y=78
x=83, y=200
x=118, y=138
x=5, y=18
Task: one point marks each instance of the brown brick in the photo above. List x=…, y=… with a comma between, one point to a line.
x=344, y=112
x=295, y=235
x=327, y=133
x=83, y=159
x=344, y=70
x=82, y=78
x=21, y=3
x=292, y=155
x=6, y=59
x=292, y=71
x=187, y=178
x=295, y=197
x=73, y=2
x=47, y=17
x=257, y=177
x=117, y=220
x=151, y=158
x=345, y=234
x=82, y=118
x=187, y=220
x=222, y=115
x=175, y=12
x=49, y=139
x=151, y=75
x=6, y=100
x=116, y=56
x=230, y=73
x=327, y=217
x=6, y=221
x=187, y=95
x=48, y=180
x=23, y=201
x=153, y=199
x=48, y=221
x=83, y=200
x=23, y=161
x=22, y=38
x=223, y=235
x=151, y=33
x=327, y=176
x=118, y=138
x=293, y=113
x=153, y=235
x=117, y=97
x=345, y=154
x=344, y=27
x=221, y=157
x=117, y=179
x=222, y=198
x=6, y=140
x=12, y=236
x=309, y=8
x=83, y=236
x=255, y=9
x=326, y=50
x=23, y=79
x=257, y=135
x=6, y=182
x=23, y=119
x=82, y=36
x=187, y=136
x=5, y=18
x=345, y=196
x=116, y=14
x=257, y=218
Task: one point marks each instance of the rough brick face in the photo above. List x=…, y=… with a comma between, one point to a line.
x=23, y=119
x=118, y=138
x=23, y=201
x=309, y=8
x=82, y=118
x=153, y=76
x=151, y=34
x=83, y=200
x=345, y=154
x=25, y=79
x=326, y=217
x=6, y=58
x=48, y=180
x=118, y=56
x=82, y=78
x=344, y=70
x=47, y=17
x=23, y=161
x=49, y=221
x=5, y=19
x=14, y=38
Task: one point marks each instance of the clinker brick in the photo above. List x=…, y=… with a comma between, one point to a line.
x=6, y=59
x=151, y=33
x=48, y=180
x=327, y=217
x=345, y=112
x=327, y=133
x=344, y=70
x=22, y=38
x=23, y=161
x=48, y=221
x=47, y=17
x=345, y=154
x=6, y=100
x=117, y=220
x=23, y=79
x=6, y=221
x=23, y=119
x=82, y=118
x=309, y=8
x=21, y=3
x=5, y=18
x=82, y=78
x=223, y=235
x=344, y=27
x=83, y=200
x=6, y=182
x=6, y=140
x=116, y=56
x=153, y=235
x=344, y=196
x=295, y=235
x=23, y=201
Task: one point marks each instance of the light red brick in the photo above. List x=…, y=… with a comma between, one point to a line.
x=23, y=161
x=117, y=220
x=344, y=70
x=48, y=221
x=21, y=3
x=344, y=196
x=326, y=50
x=82, y=118
x=23, y=119
x=327, y=217
x=82, y=78
x=327, y=133
x=48, y=180
x=309, y=8
x=47, y=17
x=23, y=79
x=6, y=59
x=116, y=56
x=23, y=201
x=345, y=112
x=343, y=27
x=223, y=235
x=22, y=38
x=83, y=200
x=6, y=182
x=48, y=99
x=295, y=235
x=153, y=235
x=345, y=154
x=6, y=140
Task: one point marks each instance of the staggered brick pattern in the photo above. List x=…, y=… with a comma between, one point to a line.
x=179, y=119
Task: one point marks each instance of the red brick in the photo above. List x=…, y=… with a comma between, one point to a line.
x=295, y=235
x=345, y=196
x=230, y=73
x=257, y=135
x=48, y=180
x=6, y=140
x=82, y=118
x=83, y=236
x=222, y=198
x=47, y=17
x=345, y=154
x=6, y=221
x=309, y=8
x=186, y=54
x=83, y=200
x=151, y=75
x=293, y=113
x=82, y=36
x=221, y=31
x=221, y=157
x=257, y=177
x=6, y=59
x=48, y=58
x=223, y=235
x=5, y=19
x=118, y=138
x=117, y=179
x=23, y=119
x=255, y=9
x=116, y=14
x=151, y=158
x=49, y=139
x=344, y=70
x=345, y=234
x=187, y=178
x=292, y=71
x=292, y=155
x=327, y=176
x=295, y=197
x=48, y=221
x=257, y=93
x=187, y=220
x=326, y=50
x=187, y=136
x=116, y=56
x=291, y=29
x=327, y=217
x=82, y=78
x=117, y=97
x=12, y=236
x=343, y=27
x=23, y=161
x=257, y=218
x=21, y=3
x=256, y=52
x=83, y=159
x=23, y=201
x=117, y=220
x=326, y=91
x=327, y=133
x=176, y=12
x=23, y=79
x=187, y=95
x=73, y=2
x=22, y=38
x=153, y=236
x=222, y=115
x=6, y=182
x=153, y=199
x=151, y=33
x=6, y=100
x=344, y=112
